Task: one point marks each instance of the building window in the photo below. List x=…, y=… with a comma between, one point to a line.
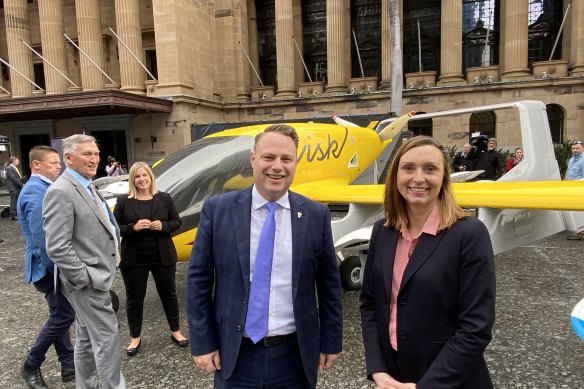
x=421, y=127
x=480, y=33
x=151, y=63
x=483, y=122
x=545, y=18
x=39, y=75
x=556, y=121
x=426, y=14
x=266, y=22
x=366, y=25
x=314, y=38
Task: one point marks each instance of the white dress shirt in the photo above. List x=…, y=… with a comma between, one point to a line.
x=281, y=311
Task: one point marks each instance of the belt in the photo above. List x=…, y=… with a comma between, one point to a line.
x=269, y=341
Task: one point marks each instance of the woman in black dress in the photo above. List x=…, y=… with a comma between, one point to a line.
x=146, y=218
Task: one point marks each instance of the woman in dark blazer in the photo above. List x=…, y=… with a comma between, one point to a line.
x=147, y=218
x=428, y=293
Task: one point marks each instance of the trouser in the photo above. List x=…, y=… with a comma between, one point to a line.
x=97, y=346
x=13, y=200
x=136, y=281
x=56, y=329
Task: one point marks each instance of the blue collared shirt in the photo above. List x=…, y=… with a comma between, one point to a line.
x=575, y=168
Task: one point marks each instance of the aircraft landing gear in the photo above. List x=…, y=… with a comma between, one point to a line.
x=350, y=269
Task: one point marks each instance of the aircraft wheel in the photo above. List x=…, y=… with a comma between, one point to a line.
x=350, y=269
x=115, y=301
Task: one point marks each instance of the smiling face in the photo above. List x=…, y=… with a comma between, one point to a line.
x=142, y=181
x=420, y=176
x=84, y=159
x=273, y=160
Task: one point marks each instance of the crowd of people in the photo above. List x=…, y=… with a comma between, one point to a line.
x=264, y=305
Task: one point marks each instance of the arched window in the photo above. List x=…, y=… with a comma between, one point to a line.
x=366, y=25
x=266, y=21
x=426, y=14
x=421, y=127
x=483, y=122
x=545, y=18
x=556, y=121
x=314, y=38
x=480, y=33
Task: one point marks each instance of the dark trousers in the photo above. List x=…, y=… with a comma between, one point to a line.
x=136, y=281
x=13, y=200
x=56, y=329
x=273, y=367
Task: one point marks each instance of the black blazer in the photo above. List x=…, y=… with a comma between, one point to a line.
x=446, y=307
x=163, y=210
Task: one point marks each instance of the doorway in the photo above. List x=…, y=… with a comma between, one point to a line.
x=27, y=142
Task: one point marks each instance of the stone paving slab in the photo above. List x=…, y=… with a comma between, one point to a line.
x=533, y=343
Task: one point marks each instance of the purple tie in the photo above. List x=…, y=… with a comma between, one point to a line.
x=256, y=324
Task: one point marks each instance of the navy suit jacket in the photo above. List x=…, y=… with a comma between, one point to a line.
x=218, y=283
x=37, y=263
x=446, y=307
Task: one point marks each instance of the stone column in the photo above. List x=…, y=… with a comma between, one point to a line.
x=89, y=36
x=285, y=48
x=54, y=46
x=451, y=43
x=385, y=46
x=335, y=47
x=19, y=56
x=254, y=55
x=515, y=37
x=128, y=28
x=577, y=38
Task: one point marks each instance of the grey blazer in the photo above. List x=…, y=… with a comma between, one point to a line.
x=78, y=240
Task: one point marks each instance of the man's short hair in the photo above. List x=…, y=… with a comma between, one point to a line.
x=38, y=153
x=13, y=158
x=283, y=129
x=71, y=143
x=493, y=140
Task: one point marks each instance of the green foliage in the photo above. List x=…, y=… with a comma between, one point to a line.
x=563, y=153
x=505, y=155
x=450, y=152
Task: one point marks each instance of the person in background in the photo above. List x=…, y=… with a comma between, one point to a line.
x=82, y=239
x=575, y=171
x=428, y=293
x=113, y=168
x=488, y=160
x=461, y=161
x=515, y=159
x=45, y=166
x=14, y=181
x=147, y=218
x=261, y=259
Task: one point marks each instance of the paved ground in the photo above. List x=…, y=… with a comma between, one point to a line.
x=533, y=344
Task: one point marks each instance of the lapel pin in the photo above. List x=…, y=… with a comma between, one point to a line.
x=299, y=214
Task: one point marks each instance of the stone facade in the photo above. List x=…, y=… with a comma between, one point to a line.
x=207, y=56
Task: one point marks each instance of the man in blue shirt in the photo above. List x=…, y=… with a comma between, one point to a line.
x=576, y=172
x=39, y=269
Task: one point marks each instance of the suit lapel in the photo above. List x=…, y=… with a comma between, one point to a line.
x=241, y=219
x=388, y=245
x=425, y=246
x=299, y=219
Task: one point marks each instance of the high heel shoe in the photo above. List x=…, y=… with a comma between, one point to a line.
x=180, y=343
x=131, y=351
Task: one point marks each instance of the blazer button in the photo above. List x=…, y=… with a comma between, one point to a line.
x=245, y=301
x=238, y=328
x=402, y=335
x=402, y=300
x=114, y=254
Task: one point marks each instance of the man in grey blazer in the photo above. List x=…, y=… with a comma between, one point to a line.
x=82, y=241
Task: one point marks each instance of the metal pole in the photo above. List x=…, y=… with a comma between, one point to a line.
x=89, y=58
x=560, y=30
x=19, y=72
x=300, y=54
x=358, y=53
x=250, y=64
x=50, y=64
x=485, y=49
x=131, y=52
x=7, y=92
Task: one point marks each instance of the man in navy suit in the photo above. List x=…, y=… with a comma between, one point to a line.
x=303, y=334
x=45, y=166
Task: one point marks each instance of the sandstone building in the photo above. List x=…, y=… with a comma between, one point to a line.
x=147, y=76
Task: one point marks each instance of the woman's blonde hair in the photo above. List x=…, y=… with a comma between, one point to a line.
x=394, y=203
x=132, y=190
